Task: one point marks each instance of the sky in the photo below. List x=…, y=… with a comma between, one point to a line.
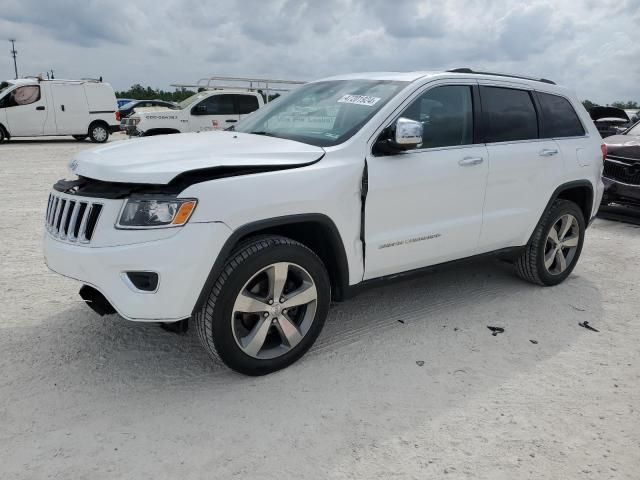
x=591, y=46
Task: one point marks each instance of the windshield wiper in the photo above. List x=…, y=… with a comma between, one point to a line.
x=262, y=132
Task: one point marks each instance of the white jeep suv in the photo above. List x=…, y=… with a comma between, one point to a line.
x=339, y=185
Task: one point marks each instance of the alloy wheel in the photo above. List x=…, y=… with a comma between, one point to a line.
x=562, y=244
x=274, y=310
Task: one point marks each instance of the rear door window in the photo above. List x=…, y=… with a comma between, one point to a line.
x=509, y=114
x=559, y=119
x=247, y=104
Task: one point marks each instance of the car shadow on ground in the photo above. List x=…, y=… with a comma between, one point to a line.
x=440, y=319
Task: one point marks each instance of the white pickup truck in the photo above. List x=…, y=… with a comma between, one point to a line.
x=207, y=110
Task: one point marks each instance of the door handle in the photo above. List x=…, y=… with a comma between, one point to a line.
x=41, y=107
x=469, y=161
x=548, y=152
x=231, y=120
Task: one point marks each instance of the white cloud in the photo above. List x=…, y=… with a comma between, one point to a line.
x=589, y=45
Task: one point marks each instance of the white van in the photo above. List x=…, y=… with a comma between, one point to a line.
x=34, y=107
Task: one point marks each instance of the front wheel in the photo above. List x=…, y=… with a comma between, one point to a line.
x=267, y=307
x=98, y=132
x=555, y=246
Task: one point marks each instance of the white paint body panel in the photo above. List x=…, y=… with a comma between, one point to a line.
x=460, y=211
x=157, y=160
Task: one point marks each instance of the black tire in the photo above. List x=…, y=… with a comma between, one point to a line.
x=3, y=135
x=80, y=138
x=213, y=323
x=530, y=266
x=99, y=132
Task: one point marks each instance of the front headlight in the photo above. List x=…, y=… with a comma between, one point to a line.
x=155, y=212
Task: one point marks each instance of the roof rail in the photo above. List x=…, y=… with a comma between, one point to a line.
x=241, y=83
x=468, y=70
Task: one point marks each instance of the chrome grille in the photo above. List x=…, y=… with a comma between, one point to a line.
x=71, y=219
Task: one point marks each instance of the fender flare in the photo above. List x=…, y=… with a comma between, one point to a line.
x=556, y=193
x=261, y=225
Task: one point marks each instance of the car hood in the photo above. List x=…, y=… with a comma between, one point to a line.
x=158, y=160
x=626, y=146
x=599, y=113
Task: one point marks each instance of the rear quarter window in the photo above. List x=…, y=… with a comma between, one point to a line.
x=509, y=114
x=559, y=119
x=247, y=104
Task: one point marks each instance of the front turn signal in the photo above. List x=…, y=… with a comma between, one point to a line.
x=184, y=213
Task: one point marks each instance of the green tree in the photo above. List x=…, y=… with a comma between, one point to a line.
x=588, y=104
x=138, y=92
x=627, y=104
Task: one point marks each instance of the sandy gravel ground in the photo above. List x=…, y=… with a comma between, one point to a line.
x=405, y=381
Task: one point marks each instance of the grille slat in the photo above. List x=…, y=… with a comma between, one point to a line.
x=71, y=219
x=622, y=172
x=72, y=222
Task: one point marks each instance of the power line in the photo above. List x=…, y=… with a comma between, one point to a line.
x=14, y=53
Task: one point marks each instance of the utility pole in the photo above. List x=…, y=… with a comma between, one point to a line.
x=13, y=54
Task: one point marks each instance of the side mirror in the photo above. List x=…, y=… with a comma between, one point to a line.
x=407, y=134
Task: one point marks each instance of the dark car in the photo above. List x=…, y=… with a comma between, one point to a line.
x=127, y=109
x=124, y=101
x=609, y=120
x=621, y=174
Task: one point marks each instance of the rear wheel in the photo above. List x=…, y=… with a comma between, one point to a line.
x=555, y=246
x=98, y=132
x=267, y=307
x=3, y=135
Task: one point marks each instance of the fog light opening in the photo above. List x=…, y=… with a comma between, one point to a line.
x=144, y=281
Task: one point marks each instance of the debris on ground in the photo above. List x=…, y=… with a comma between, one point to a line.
x=495, y=330
x=401, y=321
x=586, y=325
x=419, y=363
x=535, y=342
x=577, y=308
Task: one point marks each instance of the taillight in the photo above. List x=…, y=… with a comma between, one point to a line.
x=603, y=147
x=118, y=115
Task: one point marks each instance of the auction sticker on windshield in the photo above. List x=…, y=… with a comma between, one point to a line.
x=359, y=100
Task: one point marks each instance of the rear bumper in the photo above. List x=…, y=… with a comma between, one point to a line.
x=131, y=130
x=182, y=262
x=619, y=192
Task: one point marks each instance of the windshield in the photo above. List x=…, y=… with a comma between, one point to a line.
x=4, y=86
x=189, y=100
x=322, y=113
x=635, y=130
